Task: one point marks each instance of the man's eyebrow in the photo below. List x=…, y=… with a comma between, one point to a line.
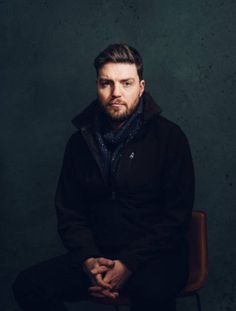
x=104, y=78
x=128, y=79
x=122, y=80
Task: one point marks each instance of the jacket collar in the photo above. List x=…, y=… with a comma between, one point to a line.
x=87, y=116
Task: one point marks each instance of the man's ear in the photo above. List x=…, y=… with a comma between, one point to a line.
x=142, y=87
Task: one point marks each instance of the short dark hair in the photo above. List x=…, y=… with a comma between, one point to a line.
x=119, y=53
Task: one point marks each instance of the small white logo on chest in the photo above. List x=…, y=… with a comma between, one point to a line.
x=131, y=155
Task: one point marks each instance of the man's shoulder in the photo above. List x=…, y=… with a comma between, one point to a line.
x=170, y=137
x=159, y=123
x=75, y=141
x=81, y=120
x=86, y=116
x=163, y=126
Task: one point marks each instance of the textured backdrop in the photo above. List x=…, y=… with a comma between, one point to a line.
x=47, y=77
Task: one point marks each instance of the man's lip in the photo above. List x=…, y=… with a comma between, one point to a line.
x=116, y=104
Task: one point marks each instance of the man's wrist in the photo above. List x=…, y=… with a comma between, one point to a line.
x=125, y=266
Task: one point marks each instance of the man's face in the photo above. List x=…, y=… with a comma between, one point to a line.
x=119, y=89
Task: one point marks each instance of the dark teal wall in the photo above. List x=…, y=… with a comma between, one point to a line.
x=47, y=77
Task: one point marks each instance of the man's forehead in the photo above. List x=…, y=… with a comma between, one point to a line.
x=118, y=71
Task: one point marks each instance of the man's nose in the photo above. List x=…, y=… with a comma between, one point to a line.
x=116, y=92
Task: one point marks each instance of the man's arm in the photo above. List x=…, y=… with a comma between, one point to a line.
x=73, y=224
x=168, y=233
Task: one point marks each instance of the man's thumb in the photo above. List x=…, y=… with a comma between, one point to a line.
x=106, y=262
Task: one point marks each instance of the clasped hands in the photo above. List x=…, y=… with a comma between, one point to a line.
x=107, y=276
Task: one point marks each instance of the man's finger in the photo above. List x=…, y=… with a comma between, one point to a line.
x=105, y=261
x=101, y=292
x=108, y=277
x=100, y=281
x=99, y=269
x=95, y=289
x=97, y=295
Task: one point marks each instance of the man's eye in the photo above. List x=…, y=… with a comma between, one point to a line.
x=127, y=83
x=105, y=83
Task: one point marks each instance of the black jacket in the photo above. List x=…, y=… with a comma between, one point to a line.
x=146, y=209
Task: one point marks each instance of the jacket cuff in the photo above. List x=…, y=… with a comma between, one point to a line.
x=131, y=262
x=78, y=257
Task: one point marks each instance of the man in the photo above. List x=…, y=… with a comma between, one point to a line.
x=123, y=201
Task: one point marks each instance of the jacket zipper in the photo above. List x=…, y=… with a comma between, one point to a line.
x=113, y=180
x=92, y=147
x=113, y=192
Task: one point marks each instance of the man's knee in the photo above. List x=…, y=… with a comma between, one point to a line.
x=32, y=294
x=153, y=290
x=154, y=294
x=23, y=289
x=140, y=304
x=31, y=282
x=22, y=283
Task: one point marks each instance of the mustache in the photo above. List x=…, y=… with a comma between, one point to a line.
x=116, y=102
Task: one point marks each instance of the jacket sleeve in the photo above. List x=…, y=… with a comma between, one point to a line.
x=168, y=234
x=72, y=220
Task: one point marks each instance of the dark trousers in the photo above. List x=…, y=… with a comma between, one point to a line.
x=46, y=286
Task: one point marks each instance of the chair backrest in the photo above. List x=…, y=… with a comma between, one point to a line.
x=198, y=255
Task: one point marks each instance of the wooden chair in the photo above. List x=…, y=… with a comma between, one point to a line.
x=198, y=256
x=198, y=264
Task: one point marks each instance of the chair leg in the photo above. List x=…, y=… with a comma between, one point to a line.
x=198, y=301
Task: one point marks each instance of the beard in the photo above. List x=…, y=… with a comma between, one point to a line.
x=121, y=113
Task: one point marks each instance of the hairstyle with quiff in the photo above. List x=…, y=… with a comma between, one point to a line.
x=119, y=53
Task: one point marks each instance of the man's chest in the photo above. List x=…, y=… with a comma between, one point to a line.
x=138, y=168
